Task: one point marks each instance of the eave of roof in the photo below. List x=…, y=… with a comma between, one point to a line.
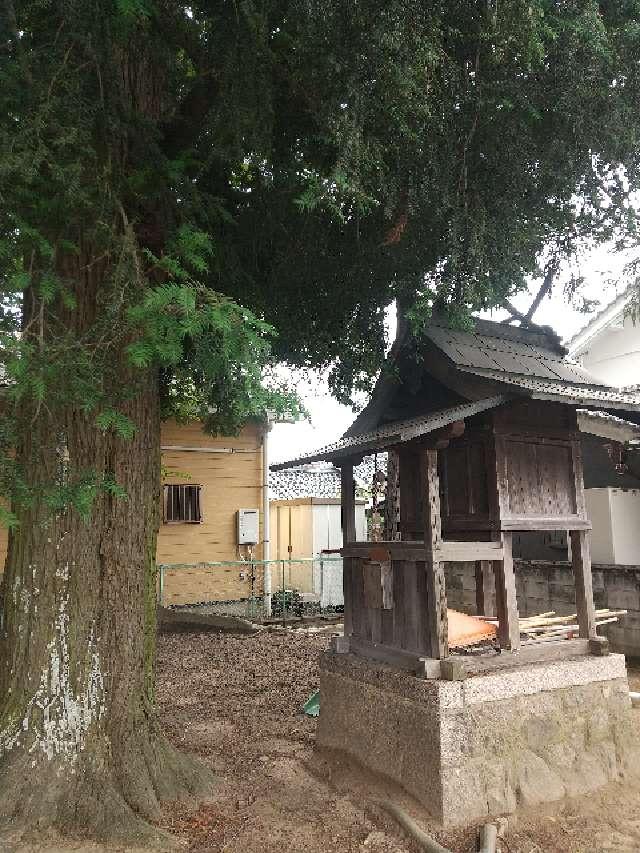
x=598, y=396
x=606, y=425
x=395, y=433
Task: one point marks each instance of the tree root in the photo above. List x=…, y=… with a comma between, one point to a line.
x=94, y=799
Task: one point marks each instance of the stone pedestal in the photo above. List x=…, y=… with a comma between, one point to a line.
x=483, y=746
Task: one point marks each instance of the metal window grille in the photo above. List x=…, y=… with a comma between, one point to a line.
x=182, y=504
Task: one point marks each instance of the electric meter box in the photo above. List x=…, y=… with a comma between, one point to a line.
x=248, y=526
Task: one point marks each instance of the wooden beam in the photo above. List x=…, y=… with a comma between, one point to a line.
x=395, y=657
x=436, y=604
x=581, y=563
x=567, y=522
x=506, y=601
x=484, y=588
x=348, y=503
x=527, y=654
x=453, y=551
x=392, y=498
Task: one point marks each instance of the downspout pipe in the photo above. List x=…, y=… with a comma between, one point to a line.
x=266, y=545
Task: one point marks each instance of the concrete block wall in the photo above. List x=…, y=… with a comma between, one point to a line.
x=545, y=586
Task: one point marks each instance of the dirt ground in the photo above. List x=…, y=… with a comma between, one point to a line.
x=236, y=701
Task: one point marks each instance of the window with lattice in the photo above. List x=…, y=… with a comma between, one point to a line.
x=182, y=504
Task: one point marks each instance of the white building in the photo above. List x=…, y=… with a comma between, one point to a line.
x=609, y=345
x=609, y=348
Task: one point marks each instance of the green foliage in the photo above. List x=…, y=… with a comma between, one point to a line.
x=286, y=602
x=190, y=194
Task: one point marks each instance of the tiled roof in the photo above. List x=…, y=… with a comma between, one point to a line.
x=304, y=482
x=491, y=352
x=517, y=359
x=320, y=481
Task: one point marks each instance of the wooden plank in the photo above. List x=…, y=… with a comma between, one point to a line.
x=468, y=552
x=372, y=581
x=527, y=654
x=387, y=627
x=390, y=655
x=398, y=601
x=412, y=611
x=395, y=550
x=374, y=624
x=581, y=564
x=386, y=582
x=571, y=522
x=506, y=602
x=484, y=588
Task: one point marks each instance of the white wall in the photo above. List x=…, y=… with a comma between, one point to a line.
x=625, y=515
x=613, y=356
x=327, y=531
x=598, y=507
x=615, y=516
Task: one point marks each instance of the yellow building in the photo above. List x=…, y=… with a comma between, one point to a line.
x=225, y=474
x=206, y=480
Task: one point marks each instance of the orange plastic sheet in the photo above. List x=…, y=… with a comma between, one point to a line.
x=468, y=630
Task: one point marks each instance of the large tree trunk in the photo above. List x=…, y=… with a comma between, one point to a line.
x=81, y=748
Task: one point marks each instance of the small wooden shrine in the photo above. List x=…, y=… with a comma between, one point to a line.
x=481, y=433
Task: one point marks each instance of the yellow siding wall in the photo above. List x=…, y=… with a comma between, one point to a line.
x=230, y=481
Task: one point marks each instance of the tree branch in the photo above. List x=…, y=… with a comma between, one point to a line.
x=526, y=319
x=545, y=287
x=515, y=314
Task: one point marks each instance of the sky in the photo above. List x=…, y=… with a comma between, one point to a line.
x=602, y=270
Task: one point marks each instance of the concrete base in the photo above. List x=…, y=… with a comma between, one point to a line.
x=484, y=746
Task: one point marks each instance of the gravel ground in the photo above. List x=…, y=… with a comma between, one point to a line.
x=236, y=702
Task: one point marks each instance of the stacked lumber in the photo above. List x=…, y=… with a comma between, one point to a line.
x=548, y=626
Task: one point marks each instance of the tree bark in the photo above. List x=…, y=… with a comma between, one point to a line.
x=81, y=749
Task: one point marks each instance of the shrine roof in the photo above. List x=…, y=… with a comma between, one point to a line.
x=472, y=370
x=393, y=433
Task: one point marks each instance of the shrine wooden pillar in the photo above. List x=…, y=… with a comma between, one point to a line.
x=506, y=600
x=348, y=509
x=392, y=498
x=436, y=603
x=581, y=563
x=485, y=588
x=581, y=556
